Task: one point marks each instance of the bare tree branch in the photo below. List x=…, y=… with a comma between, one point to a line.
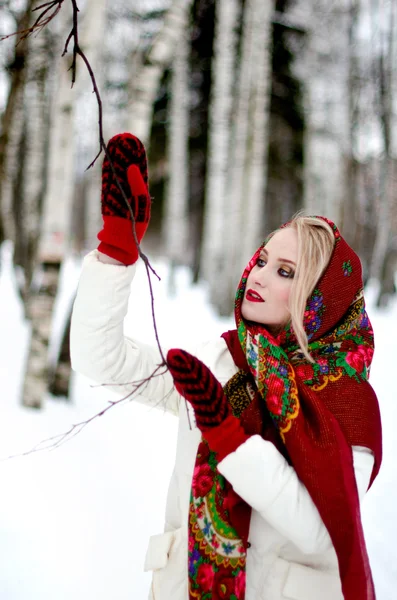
x=42, y=20
x=58, y=440
x=48, y=11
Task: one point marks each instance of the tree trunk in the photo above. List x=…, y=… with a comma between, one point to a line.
x=259, y=129
x=386, y=67
x=236, y=189
x=34, y=179
x=60, y=188
x=93, y=31
x=202, y=40
x=352, y=213
x=57, y=211
x=12, y=129
x=34, y=163
x=146, y=79
x=326, y=104
x=175, y=222
x=80, y=215
x=217, y=209
x=60, y=370
x=242, y=212
x=40, y=312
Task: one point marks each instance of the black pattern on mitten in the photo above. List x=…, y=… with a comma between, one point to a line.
x=125, y=150
x=200, y=387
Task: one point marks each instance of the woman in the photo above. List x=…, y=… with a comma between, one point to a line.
x=280, y=436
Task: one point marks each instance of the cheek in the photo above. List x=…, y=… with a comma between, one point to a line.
x=283, y=294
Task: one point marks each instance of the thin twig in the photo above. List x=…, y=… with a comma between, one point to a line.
x=58, y=440
x=41, y=21
x=77, y=51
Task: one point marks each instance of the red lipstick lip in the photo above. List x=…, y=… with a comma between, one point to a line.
x=253, y=296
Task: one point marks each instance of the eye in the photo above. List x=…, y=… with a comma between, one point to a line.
x=260, y=262
x=287, y=274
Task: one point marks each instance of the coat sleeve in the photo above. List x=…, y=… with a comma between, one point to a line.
x=98, y=347
x=262, y=477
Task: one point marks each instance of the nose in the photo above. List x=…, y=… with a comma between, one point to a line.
x=262, y=276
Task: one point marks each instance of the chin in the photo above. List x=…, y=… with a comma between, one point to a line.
x=249, y=313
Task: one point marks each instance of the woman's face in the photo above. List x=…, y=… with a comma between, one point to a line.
x=269, y=283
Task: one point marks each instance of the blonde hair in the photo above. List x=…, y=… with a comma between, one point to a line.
x=315, y=245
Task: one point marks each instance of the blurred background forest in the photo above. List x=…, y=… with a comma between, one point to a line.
x=250, y=110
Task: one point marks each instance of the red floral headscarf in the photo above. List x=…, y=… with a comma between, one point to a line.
x=324, y=408
x=313, y=413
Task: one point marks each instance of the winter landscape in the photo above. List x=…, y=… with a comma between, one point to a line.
x=250, y=111
x=75, y=521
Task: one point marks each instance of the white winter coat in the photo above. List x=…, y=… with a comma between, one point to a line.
x=291, y=554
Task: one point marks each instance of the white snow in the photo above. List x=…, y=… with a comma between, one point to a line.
x=75, y=521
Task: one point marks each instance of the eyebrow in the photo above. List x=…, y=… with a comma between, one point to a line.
x=282, y=260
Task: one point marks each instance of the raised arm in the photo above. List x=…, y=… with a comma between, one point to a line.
x=99, y=348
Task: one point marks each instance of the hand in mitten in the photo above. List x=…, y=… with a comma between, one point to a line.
x=128, y=158
x=214, y=417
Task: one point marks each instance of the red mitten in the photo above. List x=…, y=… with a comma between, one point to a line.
x=128, y=157
x=214, y=417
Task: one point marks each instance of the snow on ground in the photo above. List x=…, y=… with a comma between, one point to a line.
x=74, y=522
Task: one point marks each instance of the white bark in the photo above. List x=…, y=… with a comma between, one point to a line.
x=39, y=301
x=262, y=48
x=11, y=162
x=36, y=140
x=259, y=128
x=93, y=30
x=40, y=307
x=240, y=192
x=58, y=201
x=217, y=208
x=57, y=218
x=60, y=189
x=236, y=188
x=146, y=80
x=12, y=123
x=324, y=71
x=386, y=70
x=175, y=224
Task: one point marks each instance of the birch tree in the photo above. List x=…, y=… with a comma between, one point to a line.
x=252, y=194
x=40, y=295
x=239, y=139
x=384, y=70
x=93, y=30
x=352, y=212
x=12, y=124
x=145, y=79
x=42, y=365
x=57, y=211
x=175, y=222
x=324, y=72
x=217, y=208
x=241, y=129
x=33, y=159
x=60, y=181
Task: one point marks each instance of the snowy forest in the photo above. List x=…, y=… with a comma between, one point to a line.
x=250, y=110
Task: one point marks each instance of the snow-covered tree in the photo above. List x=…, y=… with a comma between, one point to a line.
x=145, y=78
x=239, y=116
x=324, y=71
x=175, y=221
x=253, y=101
x=217, y=209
